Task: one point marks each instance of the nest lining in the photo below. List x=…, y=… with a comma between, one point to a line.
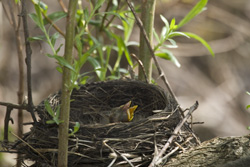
x=119, y=144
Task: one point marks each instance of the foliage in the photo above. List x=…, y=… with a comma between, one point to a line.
x=169, y=31
x=76, y=128
x=53, y=113
x=91, y=47
x=93, y=30
x=96, y=38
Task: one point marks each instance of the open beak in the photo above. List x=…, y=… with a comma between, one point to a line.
x=130, y=110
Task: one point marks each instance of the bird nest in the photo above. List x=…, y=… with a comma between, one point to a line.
x=115, y=144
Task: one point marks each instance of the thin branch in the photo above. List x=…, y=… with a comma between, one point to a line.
x=158, y=158
x=8, y=17
x=20, y=92
x=161, y=73
x=141, y=65
x=9, y=108
x=28, y=60
x=114, y=153
x=105, y=15
x=53, y=24
x=6, y=124
x=15, y=106
x=63, y=6
x=42, y=156
x=125, y=158
x=113, y=17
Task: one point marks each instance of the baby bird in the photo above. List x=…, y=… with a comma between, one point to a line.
x=124, y=113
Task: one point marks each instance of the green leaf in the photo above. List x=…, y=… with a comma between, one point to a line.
x=165, y=21
x=76, y=127
x=84, y=57
x=62, y=61
x=54, y=37
x=93, y=11
x=169, y=46
x=172, y=24
x=106, y=66
x=83, y=80
x=164, y=33
x=201, y=40
x=119, y=27
x=248, y=106
x=48, y=108
x=156, y=36
x=248, y=93
x=59, y=69
x=39, y=20
x=98, y=4
x=59, y=48
x=166, y=54
x=122, y=48
x=35, y=18
x=177, y=33
x=128, y=26
x=199, y=7
x=133, y=43
x=113, y=77
x=58, y=111
x=50, y=122
x=43, y=7
x=174, y=45
x=55, y=17
x=96, y=65
x=37, y=38
x=123, y=70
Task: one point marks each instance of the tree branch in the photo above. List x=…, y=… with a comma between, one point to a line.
x=66, y=87
x=28, y=59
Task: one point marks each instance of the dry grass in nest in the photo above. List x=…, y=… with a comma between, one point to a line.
x=115, y=144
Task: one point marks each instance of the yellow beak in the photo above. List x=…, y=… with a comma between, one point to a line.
x=129, y=110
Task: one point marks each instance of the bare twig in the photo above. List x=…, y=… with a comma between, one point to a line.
x=16, y=26
x=157, y=158
x=125, y=158
x=141, y=65
x=53, y=24
x=114, y=153
x=28, y=59
x=15, y=106
x=113, y=17
x=7, y=16
x=9, y=108
x=6, y=124
x=105, y=15
x=170, y=153
x=31, y=148
x=161, y=73
x=63, y=6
